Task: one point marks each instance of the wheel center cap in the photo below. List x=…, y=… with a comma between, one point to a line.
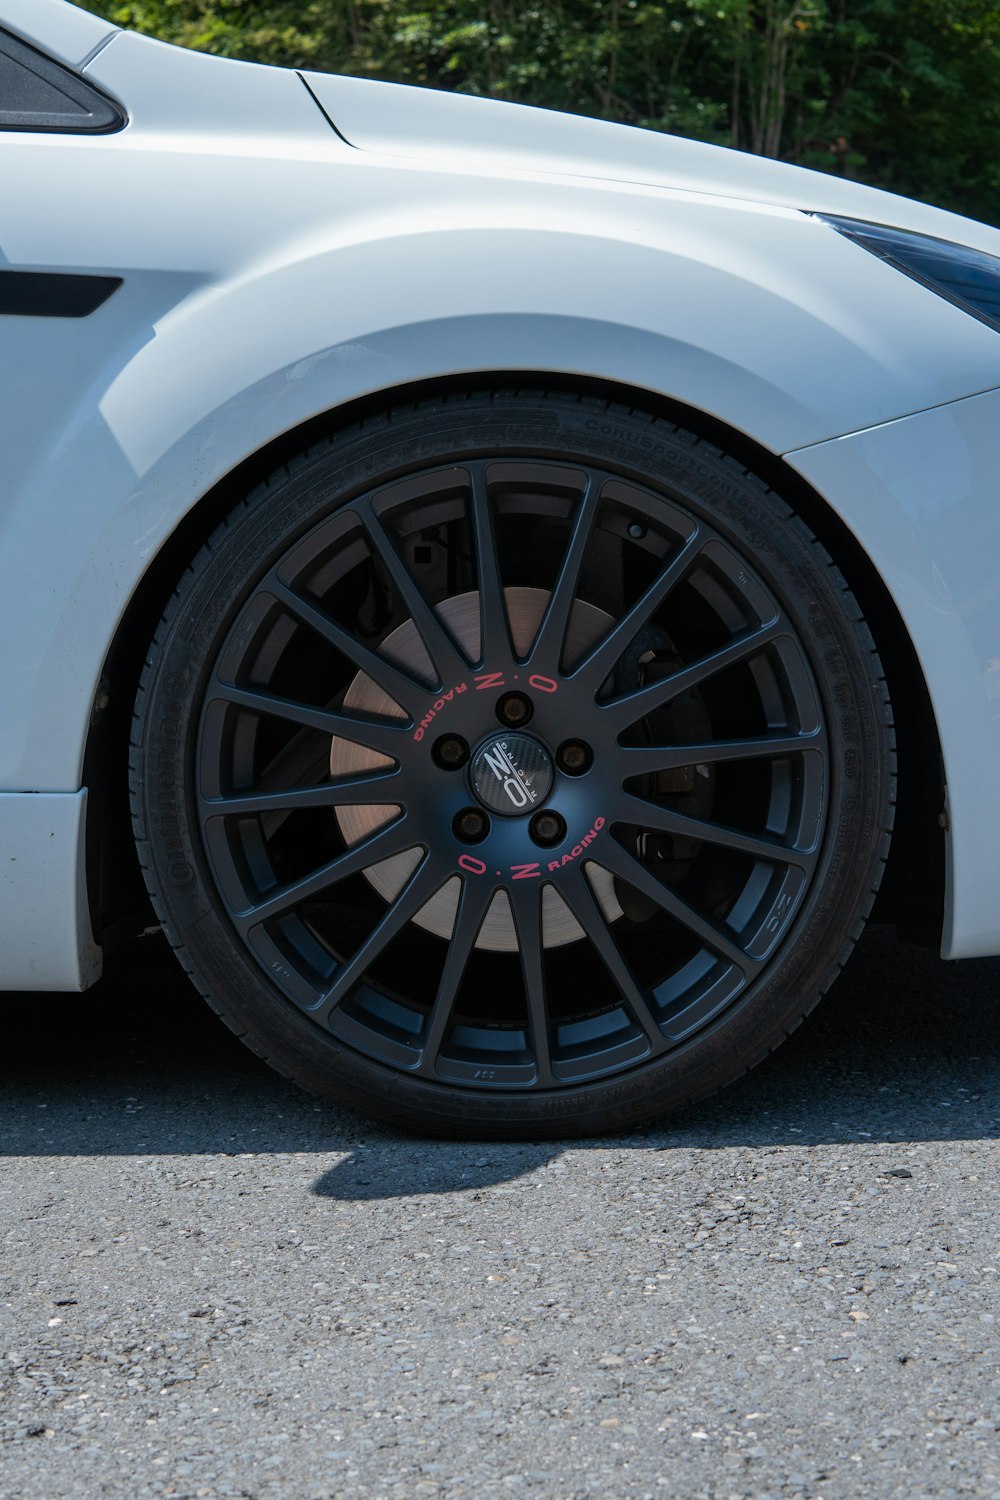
x=511, y=773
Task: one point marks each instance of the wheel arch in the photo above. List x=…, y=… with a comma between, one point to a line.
x=913, y=889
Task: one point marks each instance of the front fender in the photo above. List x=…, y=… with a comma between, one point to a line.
x=321, y=277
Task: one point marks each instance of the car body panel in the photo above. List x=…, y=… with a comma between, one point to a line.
x=67, y=33
x=923, y=498
x=46, y=941
x=273, y=273
x=435, y=127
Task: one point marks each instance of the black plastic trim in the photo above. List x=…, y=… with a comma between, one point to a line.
x=40, y=94
x=53, y=294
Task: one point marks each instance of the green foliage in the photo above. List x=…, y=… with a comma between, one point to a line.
x=901, y=93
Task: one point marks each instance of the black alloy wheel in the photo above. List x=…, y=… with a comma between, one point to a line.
x=513, y=764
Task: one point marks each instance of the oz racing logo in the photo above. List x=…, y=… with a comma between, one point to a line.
x=511, y=774
x=514, y=783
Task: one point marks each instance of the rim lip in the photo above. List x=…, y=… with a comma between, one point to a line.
x=663, y=491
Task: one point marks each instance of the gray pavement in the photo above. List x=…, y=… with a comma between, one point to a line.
x=211, y=1286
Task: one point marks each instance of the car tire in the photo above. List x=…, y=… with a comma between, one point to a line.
x=513, y=764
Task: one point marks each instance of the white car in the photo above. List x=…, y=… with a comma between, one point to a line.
x=472, y=570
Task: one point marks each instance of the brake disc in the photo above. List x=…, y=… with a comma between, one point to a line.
x=404, y=646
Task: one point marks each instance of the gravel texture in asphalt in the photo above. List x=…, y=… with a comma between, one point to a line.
x=211, y=1286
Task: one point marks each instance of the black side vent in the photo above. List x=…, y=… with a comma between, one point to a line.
x=53, y=294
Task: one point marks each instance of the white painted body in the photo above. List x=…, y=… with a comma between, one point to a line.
x=275, y=270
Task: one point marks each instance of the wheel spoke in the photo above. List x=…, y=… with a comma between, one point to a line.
x=494, y=636
x=474, y=901
x=649, y=815
x=624, y=711
x=426, y=879
x=578, y=895
x=353, y=791
x=395, y=838
x=526, y=907
x=550, y=638
x=630, y=619
x=385, y=736
x=448, y=661
x=601, y=662
x=617, y=861
x=400, y=686
x=646, y=760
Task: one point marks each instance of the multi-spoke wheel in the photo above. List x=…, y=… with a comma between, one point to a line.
x=513, y=764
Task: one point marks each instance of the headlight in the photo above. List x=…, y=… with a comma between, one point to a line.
x=969, y=278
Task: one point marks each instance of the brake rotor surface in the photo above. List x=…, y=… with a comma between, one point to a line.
x=525, y=608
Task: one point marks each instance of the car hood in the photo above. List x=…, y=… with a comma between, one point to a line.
x=488, y=134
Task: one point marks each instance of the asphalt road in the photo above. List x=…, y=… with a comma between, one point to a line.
x=211, y=1286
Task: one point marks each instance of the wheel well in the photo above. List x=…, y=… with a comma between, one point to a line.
x=912, y=893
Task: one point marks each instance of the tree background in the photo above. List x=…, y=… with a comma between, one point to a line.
x=904, y=94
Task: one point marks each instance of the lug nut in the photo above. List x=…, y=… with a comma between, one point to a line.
x=471, y=825
x=574, y=757
x=514, y=709
x=450, y=752
x=547, y=828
